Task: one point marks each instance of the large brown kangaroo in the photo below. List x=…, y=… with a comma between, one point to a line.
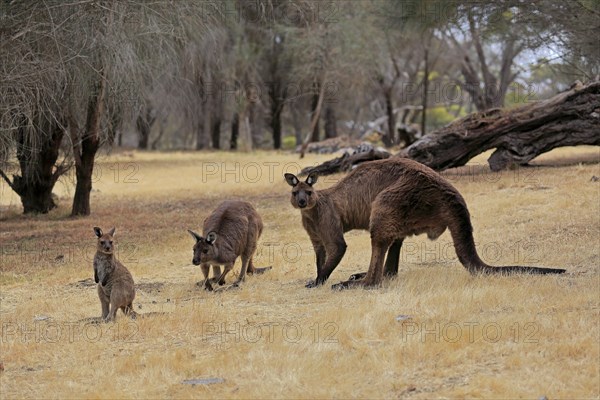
x=393, y=199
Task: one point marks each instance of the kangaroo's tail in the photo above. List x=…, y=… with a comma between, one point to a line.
x=461, y=230
x=516, y=269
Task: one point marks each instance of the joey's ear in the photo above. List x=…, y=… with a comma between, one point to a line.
x=112, y=231
x=312, y=179
x=195, y=235
x=211, y=237
x=291, y=179
x=97, y=231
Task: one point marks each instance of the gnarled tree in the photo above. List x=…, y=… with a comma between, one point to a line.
x=60, y=63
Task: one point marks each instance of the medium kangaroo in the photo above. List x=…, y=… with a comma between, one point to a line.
x=231, y=230
x=115, y=284
x=393, y=199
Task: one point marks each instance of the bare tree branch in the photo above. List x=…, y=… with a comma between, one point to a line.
x=7, y=180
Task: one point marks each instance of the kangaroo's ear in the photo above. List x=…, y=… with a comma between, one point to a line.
x=291, y=179
x=312, y=179
x=97, y=231
x=195, y=235
x=112, y=231
x=211, y=237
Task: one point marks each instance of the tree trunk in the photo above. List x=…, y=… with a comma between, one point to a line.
x=296, y=122
x=389, y=139
x=144, y=133
x=203, y=128
x=235, y=131
x=83, y=187
x=425, y=90
x=161, y=131
x=276, y=91
x=252, y=112
x=37, y=198
x=314, y=123
x=520, y=134
x=276, y=109
x=314, y=112
x=37, y=166
x=215, y=132
x=490, y=83
x=472, y=84
x=492, y=92
x=199, y=136
x=115, y=122
x=216, y=117
x=144, y=123
x=85, y=151
x=247, y=140
x=330, y=122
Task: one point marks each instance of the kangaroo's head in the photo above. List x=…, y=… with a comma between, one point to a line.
x=204, y=250
x=303, y=194
x=105, y=240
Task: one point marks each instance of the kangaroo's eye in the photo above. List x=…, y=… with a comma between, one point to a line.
x=309, y=193
x=110, y=242
x=295, y=193
x=205, y=251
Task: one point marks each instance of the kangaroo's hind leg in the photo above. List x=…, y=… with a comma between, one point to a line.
x=114, y=307
x=393, y=258
x=386, y=227
x=252, y=240
x=392, y=261
x=375, y=274
x=128, y=310
x=246, y=261
x=217, y=275
x=104, y=301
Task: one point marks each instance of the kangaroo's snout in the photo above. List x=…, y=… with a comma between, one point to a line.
x=106, y=245
x=301, y=203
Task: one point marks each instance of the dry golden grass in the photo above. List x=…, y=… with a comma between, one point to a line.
x=492, y=337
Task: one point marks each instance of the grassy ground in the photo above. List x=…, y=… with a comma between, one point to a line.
x=433, y=332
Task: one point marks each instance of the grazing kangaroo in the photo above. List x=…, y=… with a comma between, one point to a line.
x=231, y=230
x=393, y=199
x=115, y=284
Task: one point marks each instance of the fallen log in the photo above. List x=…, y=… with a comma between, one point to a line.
x=570, y=118
x=520, y=134
x=331, y=145
x=346, y=162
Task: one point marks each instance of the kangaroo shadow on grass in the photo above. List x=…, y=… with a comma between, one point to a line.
x=208, y=284
x=137, y=317
x=145, y=287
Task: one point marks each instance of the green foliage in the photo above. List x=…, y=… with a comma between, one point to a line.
x=440, y=116
x=288, y=143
